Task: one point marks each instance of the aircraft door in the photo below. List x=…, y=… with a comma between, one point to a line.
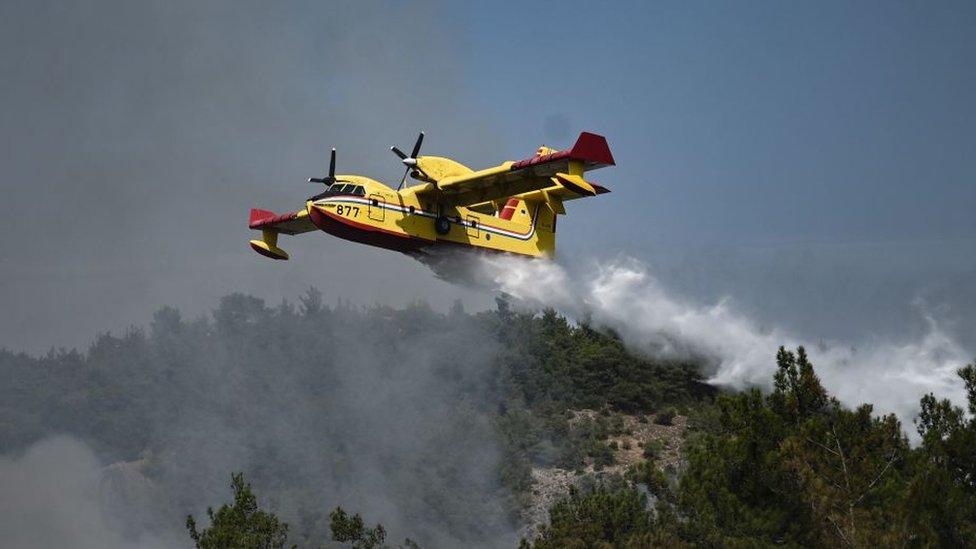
x=376, y=210
x=473, y=227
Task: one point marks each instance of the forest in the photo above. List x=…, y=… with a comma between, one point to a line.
x=334, y=426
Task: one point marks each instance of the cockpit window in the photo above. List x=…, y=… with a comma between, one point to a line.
x=343, y=188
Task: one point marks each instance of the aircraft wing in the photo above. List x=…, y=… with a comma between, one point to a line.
x=271, y=224
x=288, y=223
x=560, y=171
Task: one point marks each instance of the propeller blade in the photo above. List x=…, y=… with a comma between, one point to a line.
x=416, y=147
x=403, y=179
x=409, y=161
x=332, y=161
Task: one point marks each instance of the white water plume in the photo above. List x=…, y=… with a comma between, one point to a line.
x=624, y=296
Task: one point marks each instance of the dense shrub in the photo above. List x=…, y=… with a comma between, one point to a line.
x=666, y=416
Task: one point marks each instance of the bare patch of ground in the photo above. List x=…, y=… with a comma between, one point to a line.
x=630, y=447
x=549, y=484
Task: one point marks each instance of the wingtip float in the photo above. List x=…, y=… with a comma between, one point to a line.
x=509, y=208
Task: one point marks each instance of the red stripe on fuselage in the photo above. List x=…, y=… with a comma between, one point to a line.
x=348, y=229
x=365, y=234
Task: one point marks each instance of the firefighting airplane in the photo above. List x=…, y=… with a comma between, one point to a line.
x=510, y=208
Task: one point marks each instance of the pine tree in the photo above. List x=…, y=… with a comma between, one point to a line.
x=240, y=525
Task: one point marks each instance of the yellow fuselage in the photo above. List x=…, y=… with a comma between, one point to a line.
x=383, y=217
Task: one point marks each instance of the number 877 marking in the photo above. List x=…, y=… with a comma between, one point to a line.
x=352, y=211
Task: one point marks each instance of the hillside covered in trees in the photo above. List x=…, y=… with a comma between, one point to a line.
x=438, y=426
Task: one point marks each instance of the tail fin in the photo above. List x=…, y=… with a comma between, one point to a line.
x=565, y=168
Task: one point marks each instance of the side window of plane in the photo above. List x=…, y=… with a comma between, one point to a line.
x=335, y=188
x=359, y=191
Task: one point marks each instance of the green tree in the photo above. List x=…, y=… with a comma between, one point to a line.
x=602, y=517
x=240, y=525
x=353, y=530
x=796, y=467
x=647, y=473
x=797, y=393
x=942, y=499
x=847, y=471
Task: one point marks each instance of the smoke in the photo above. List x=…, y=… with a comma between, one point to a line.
x=624, y=296
x=53, y=496
x=380, y=412
x=385, y=412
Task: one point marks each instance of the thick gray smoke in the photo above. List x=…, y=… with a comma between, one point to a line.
x=384, y=412
x=55, y=494
x=625, y=296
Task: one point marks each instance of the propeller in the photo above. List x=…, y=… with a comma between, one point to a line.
x=409, y=161
x=329, y=179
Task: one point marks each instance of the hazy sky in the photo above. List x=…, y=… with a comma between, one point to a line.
x=814, y=161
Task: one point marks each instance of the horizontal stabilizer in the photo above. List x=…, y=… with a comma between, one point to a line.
x=575, y=183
